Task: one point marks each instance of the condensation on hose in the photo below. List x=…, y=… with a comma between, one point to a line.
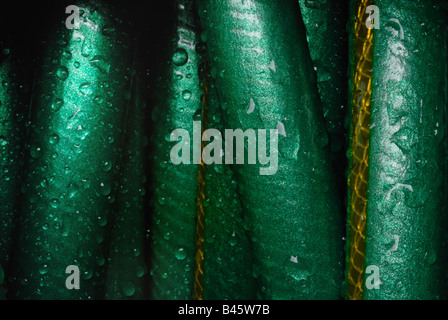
x=359, y=154
x=200, y=214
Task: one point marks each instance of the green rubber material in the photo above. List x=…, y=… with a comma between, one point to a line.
x=126, y=263
x=258, y=55
x=80, y=98
x=227, y=250
x=177, y=103
x=406, y=209
x=13, y=111
x=327, y=38
x=325, y=23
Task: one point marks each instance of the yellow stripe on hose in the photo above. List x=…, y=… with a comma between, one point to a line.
x=359, y=152
x=200, y=215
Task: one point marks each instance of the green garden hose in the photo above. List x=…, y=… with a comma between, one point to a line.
x=262, y=70
x=325, y=23
x=227, y=251
x=397, y=212
x=126, y=263
x=13, y=111
x=177, y=103
x=196, y=149
x=79, y=101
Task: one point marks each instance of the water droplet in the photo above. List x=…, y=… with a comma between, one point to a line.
x=66, y=55
x=99, y=63
x=36, y=152
x=301, y=277
x=99, y=238
x=128, y=289
x=232, y=240
x=54, y=139
x=140, y=271
x=62, y=73
x=76, y=64
x=181, y=254
x=162, y=201
x=102, y=221
x=3, y=141
x=44, y=268
x=98, y=100
x=87, y=275
x=44, y=183
x=86, y=88
x=105, y=188
x=107, y=166
x=421, y=163
x=180, y=57
x=57, y=104
x=431, y=256
x=100, y=261
x=54, y=203
x=168, y=137
x=78, y=148
x=197, y=115
x=186, y=95
x=86, y=49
